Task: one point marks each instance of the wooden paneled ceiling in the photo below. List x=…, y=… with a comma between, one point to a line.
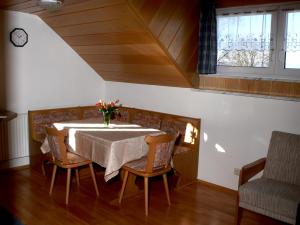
x=136, y=41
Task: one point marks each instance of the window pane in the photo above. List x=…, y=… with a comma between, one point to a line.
x=244, y=40
x=292, y=51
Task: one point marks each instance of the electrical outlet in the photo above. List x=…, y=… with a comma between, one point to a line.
x=236, y=171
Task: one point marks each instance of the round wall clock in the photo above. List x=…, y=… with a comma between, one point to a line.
x=18, y=37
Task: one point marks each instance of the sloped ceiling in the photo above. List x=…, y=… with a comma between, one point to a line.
x=136, y=41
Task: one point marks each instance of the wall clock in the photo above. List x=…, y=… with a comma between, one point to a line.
x=18, y=37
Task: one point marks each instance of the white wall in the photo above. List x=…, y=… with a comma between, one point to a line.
x=46, y=72
x=242, y=125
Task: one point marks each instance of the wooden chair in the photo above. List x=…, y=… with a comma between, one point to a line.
x=157, y=162
x=65, y=159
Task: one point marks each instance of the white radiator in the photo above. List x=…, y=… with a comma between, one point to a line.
x=18, y=151
x=18, y=137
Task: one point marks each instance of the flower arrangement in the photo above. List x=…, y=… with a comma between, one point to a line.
x=107, y=109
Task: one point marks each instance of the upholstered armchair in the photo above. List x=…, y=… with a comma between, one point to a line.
x=277, y=193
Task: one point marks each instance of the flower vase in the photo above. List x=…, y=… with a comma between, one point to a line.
x=106, y=118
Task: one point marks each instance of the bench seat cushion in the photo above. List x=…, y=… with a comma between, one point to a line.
x=272, y=198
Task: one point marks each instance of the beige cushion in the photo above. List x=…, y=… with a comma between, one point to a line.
x=283, y=158
x=139, y=164
x=72, y=158
x=272, y=198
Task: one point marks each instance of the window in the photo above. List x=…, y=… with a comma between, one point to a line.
x=261, y=42
x=292, y=49
x=244, y=40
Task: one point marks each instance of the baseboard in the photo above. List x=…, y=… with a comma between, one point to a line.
x=15, y=163
x=217, y=187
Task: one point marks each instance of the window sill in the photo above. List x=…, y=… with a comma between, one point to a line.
x=256, y=86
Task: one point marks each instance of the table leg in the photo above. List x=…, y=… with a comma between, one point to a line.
x=131, y=188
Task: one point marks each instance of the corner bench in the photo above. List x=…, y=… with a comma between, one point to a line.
x=185, y=159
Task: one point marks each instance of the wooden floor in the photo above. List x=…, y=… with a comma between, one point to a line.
x=25, y=193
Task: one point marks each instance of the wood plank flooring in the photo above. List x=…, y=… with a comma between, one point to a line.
x=25, y=193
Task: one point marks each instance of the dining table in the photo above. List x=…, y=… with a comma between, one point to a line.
x=109, y=146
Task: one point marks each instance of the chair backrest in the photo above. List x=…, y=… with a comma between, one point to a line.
x=283, y=159
x=56, y=140
x=160, y=151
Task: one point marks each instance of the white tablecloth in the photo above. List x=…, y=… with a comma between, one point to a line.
x=111, y=147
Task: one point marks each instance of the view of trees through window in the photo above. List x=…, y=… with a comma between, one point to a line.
x=244, y=40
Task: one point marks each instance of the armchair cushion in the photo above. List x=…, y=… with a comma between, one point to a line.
x=272, y=198
x=283, y=158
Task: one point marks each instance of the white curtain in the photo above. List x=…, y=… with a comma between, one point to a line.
x=292, y=41
x=245, y=32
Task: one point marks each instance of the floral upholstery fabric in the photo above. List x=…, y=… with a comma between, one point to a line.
x=43, y=120
x=146, y=119
x=163, y=155
x=139, y=164
x=60, y=116
x=174, y=126
x=56, y=151
x=122, y=115
x=72, y=158
x=40, y=121
x=55, y=147
x=162, y=158
x=90, y=113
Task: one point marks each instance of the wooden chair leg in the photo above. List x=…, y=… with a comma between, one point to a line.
x=94, y=179
x=68, y=185
x=53, y=178
x=123, y=186
x=238, y=217
x=77, y=177
x=238, y=212
x=43, y=168
x=167, y=188
x=146, y=179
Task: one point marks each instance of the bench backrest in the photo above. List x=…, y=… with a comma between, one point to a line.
x=187, y=127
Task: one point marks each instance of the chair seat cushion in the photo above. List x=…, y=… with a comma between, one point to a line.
x=73, y=160
x=271, y=198
x=139, y=164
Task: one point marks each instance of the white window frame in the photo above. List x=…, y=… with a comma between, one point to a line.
x=276, y=68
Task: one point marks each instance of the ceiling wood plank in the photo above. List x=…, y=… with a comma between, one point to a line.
x=126, y=59
x=161, y=17
x=125, y=49
x=159, y=70
x=82, y=6
x=89, y=16
x=110, y=39
x=171, y=80
x=112, y=26
x=171, y=28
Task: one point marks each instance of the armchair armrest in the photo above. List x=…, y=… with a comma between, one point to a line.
x=251, y=169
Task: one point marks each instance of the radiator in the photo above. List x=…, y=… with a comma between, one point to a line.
x=15, y=138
